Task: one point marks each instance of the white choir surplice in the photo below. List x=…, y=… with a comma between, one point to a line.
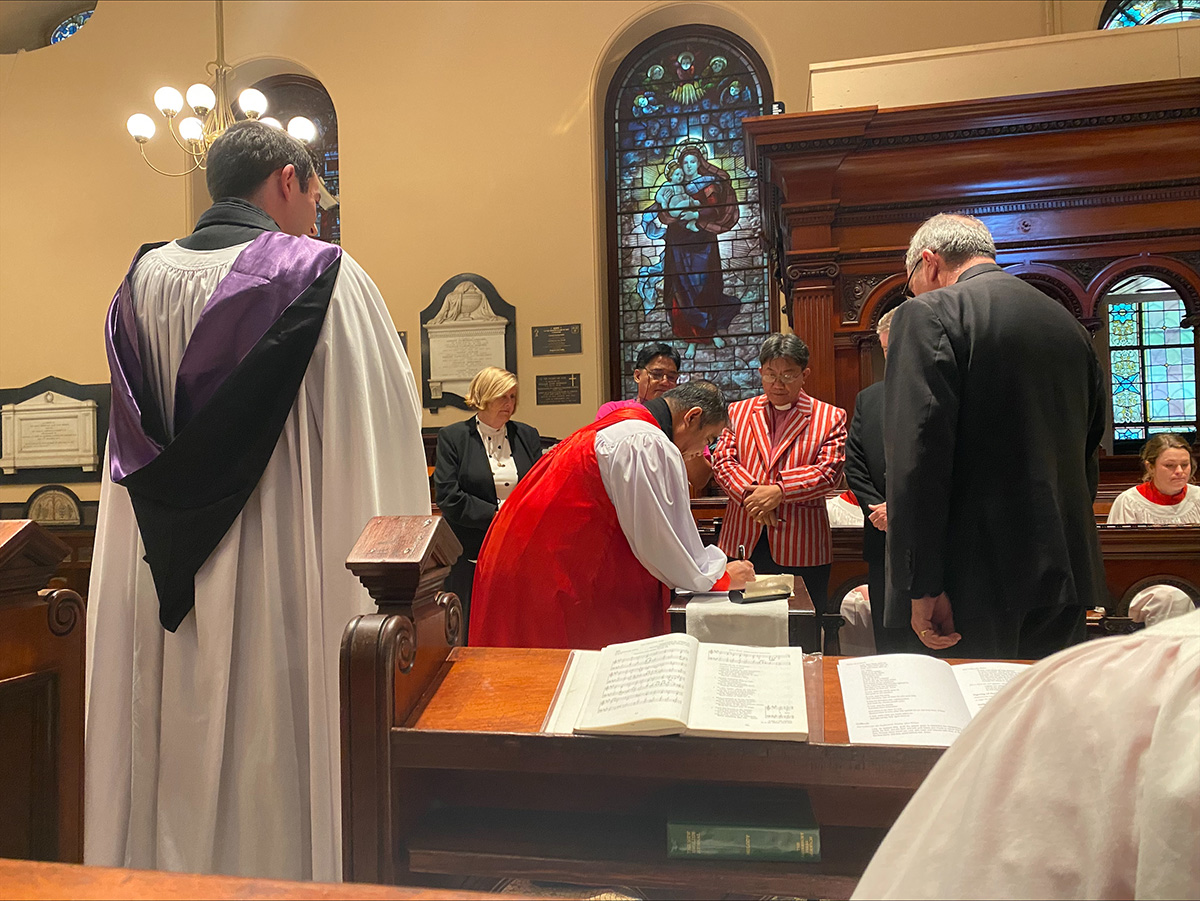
x=1131, y=508
x=217, y=748
x=644, y=476
x=1079, y=779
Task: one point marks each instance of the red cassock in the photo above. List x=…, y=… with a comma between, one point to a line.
x=555, y=570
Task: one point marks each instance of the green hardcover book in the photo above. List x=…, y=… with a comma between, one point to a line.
x=783, y=829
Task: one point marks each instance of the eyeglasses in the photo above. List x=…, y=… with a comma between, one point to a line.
x=663, y=375
x=785, y=378
x=906, y=293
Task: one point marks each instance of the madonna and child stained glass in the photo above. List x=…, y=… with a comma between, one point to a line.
x=691, y=269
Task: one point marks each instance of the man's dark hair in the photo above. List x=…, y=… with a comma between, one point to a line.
x=240, y=160
x=650, y=351
x=787, y=347
x=703, y=394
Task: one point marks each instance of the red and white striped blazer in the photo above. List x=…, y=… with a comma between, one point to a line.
x=807, y=464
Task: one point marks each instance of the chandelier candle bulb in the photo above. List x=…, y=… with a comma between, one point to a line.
x=168, y=101
x=252, y=102
x=301, y=129
x=191, y=129
x=201, y=98
x=141, y=127
x=272, y=121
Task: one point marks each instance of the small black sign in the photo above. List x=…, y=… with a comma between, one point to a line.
x=558, y=389
x=549, y=340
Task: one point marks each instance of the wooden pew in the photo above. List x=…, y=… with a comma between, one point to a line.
x=448, y=780
x=41, y=700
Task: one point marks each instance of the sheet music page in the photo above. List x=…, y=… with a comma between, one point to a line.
x=647, y=682
x=901, y=699
x=568, y=702
x=978, y=682
x=748, y=691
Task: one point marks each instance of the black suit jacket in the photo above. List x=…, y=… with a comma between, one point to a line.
x=462, y=477
x=994, y=407
x=865, y=465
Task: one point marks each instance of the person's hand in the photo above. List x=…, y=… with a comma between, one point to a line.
x=933, y=621
x=770, y=519
x=878, y=516
x=740, y=573
x=689, y=215
x=762, y=499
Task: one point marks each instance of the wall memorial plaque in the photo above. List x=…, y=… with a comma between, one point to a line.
x=558, y=389
x=53, y=430
x=54, y=505
x=466, y=328
x=403, y=339
x=549, y=340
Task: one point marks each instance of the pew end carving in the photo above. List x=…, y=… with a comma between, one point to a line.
x=389, y=660
x=41, y=700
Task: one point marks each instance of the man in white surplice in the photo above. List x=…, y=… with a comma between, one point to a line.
x=212, y=737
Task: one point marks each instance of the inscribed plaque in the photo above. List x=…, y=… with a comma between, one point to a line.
x=549, y=340
x=558, y=389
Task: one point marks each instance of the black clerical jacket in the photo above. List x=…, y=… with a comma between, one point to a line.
x=994, y=407
x=865, y=465
x=462, y=477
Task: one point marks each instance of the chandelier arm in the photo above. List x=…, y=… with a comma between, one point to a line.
x=146, y=159
x=171, y=129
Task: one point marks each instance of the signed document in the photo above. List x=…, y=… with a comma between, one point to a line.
x=911, y=699
x=676, y=685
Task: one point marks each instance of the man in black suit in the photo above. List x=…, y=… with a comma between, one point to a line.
x=994, y=407
x=865, y=468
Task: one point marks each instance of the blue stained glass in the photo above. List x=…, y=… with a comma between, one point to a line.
x=690, y=266
x=1151, y=12
x=68, y=27
x=1122, y=325
x=1130, y=434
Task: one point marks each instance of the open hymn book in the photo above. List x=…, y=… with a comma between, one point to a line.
x=676, y=685
x=911, y=699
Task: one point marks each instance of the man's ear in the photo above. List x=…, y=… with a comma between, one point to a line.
x=693, y=416
x=288, y=180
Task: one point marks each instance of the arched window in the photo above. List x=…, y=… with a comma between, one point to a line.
x=687, y=263
x=1127, y=13
x=70, y=25
x=293, y=95
x=1153, y=362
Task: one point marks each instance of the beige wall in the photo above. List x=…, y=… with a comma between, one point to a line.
x=470, y=137
x=1058, y=63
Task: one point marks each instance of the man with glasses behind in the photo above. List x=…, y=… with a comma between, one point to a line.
x=655, y=372
x=785, y=452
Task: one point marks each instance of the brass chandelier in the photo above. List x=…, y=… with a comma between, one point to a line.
x=214, y=113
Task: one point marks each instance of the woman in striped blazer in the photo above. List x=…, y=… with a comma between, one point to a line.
x=783, y=453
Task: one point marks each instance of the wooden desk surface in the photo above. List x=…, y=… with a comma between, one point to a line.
x=37, y=881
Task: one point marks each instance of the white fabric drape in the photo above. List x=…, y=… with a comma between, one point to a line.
x=643, y=473
x=217, y=748
x=1080, y=779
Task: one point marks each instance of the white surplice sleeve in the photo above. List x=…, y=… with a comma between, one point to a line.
x=644, y=476
x=1079, y=779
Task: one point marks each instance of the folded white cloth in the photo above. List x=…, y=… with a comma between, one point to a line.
x=715, y=618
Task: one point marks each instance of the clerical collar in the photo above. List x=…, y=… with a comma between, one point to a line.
x=1152, y=494
x=787, y=409
x=227, y=222
x=661, y=411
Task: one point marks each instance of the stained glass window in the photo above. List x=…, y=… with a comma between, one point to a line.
x=298, y=95
x=1127, y=13
x=68, y=27
x=689, y=267
x=1153, y=362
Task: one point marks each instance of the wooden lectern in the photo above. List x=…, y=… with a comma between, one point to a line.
x=41, y=700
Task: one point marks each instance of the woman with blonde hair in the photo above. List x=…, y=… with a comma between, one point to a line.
x=478, y=464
